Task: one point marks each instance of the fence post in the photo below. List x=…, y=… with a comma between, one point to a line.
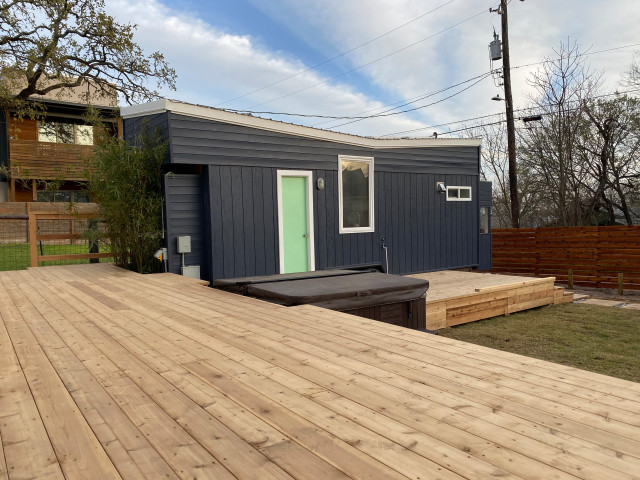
x=620, y=284
x=33, y=234
x=93, y=243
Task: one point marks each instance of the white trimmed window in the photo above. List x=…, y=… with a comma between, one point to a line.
x=458, y=194
x=355, y=194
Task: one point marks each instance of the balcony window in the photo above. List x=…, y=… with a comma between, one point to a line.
x=75, y=196
x=84, y=134
x=61, y=132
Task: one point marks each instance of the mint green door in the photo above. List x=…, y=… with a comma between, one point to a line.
x=295, y=237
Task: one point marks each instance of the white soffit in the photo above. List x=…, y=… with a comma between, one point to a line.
x=210, y=113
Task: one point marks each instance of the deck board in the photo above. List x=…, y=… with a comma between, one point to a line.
x=165, y=378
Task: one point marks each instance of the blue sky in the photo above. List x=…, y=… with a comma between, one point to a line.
x=223, y=49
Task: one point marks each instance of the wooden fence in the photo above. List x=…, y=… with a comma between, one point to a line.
x=32, y=225
x=35, y=237
x=593, y=256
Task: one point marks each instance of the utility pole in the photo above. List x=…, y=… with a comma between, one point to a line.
x=511, y=132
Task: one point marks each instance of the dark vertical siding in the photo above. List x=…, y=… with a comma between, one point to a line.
x=484, y=256
x=422, y=230
x=184, y=216
x=484, y=243
x=485, y=194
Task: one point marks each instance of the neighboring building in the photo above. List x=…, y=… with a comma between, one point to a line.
x=261, y=197
x=51, y=148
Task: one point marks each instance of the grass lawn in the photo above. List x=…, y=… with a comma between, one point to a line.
x=591, y=337
x=16, y=256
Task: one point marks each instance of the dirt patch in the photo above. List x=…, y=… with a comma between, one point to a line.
x=630, y=296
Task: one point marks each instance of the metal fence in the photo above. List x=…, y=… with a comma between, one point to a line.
x=50, y=238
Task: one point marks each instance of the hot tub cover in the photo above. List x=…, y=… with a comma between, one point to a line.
x=341, y=292
x=239, y=284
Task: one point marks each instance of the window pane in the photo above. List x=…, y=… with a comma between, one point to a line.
x=47, y=132
x=355, y=194
x=465, y=193
x=81, y=197
x=452, y=192
x=84, y=134
x=64, y=132
x=484, y=220
x=62, y=196
x=45, y=196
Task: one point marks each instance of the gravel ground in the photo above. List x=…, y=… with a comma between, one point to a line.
x=630, y=296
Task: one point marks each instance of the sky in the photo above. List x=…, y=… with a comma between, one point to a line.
x=362, y=57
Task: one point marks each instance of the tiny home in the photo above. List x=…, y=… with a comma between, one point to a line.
x=262, y=197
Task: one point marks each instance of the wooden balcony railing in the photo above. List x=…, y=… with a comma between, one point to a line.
x=30, y=159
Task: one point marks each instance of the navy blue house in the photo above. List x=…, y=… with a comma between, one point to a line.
x=261, y=197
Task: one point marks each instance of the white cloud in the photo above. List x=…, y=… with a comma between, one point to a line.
x=214, y=66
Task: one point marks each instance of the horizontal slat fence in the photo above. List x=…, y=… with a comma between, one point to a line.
x=595, y=255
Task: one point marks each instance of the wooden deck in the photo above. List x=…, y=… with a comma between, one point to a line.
x=107, y=374
x=455, y=297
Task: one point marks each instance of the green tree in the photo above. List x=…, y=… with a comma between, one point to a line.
x=126, y=182
x=47, y=46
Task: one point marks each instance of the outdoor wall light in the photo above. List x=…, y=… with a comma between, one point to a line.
x=320, y=183
x=441, y=187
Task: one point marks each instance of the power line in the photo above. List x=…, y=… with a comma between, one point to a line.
x=339, y=55
x=404, y=103
x=478, y=79
x=368, y=63
x=415, y=99
x=501, y=113
x=420, y=107
x=360, y=116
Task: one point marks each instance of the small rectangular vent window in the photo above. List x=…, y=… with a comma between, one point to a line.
x=458, y=194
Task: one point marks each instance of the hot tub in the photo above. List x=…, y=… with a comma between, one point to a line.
x=388, y=298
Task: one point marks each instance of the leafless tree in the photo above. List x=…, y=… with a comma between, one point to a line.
x=561, y=87
x=611, y=149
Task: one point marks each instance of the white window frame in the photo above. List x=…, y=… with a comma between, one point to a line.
x=458, y=199
x=371, y=227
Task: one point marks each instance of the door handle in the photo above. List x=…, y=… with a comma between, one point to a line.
x=305, y=235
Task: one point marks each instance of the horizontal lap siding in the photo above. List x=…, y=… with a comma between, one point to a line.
x=184, y=216
x=132, y=128
x=198, y=141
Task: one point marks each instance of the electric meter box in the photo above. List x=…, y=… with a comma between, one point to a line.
x=184, y=244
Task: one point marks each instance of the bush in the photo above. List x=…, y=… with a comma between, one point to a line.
x=126, y=182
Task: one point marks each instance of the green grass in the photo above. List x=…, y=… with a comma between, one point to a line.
x=16, y=256
x=591, y=337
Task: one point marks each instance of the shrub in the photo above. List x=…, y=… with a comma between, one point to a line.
x=126, y=182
